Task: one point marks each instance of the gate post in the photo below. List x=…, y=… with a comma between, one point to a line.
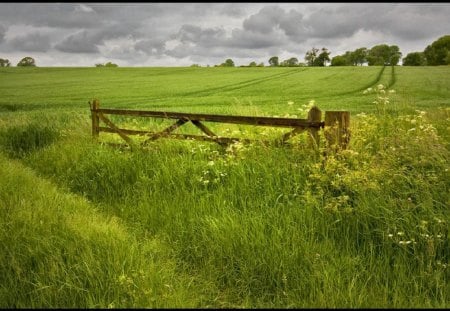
x=314, y=115
x=337, y=129
x=95, y=105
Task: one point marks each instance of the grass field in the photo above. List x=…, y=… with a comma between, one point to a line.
x=190, y=224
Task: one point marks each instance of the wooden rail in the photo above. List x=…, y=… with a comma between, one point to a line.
x=336, y=125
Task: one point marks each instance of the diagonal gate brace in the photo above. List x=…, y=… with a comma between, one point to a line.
x=166, y=131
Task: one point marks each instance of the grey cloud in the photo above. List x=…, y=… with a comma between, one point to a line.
x=81, y=42
x=204, y=37
x=250, y=40
x=62, y=15
x=265, y=20
x=233, y=10
x=33, y=42
x=2, y=33
x=272, y=18
x=142, y=30
x=151, y=46
x=88, y=41
x=196, y=41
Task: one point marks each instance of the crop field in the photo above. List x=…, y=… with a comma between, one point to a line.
x=185, y=224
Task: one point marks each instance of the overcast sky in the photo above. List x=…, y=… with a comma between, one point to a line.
x=180, y=34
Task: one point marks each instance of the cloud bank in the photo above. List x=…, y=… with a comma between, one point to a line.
x=178, y=34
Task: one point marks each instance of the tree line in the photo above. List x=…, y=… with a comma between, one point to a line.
x=437, y=53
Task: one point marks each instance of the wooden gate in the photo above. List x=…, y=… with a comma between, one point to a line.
x=336, y=125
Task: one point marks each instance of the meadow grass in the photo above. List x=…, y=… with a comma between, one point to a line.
x=189, y=224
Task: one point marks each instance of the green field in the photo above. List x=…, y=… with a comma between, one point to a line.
x=184, y=224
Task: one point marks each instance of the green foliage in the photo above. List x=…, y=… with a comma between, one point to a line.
x=383, y=54
x=340, y=60
x=291, y=62
x=274, y=61
x=108, y=64
x=228, y=63
x=311, y=56
x=4, y=63
x=438, y=52
x=26, y=62
x=355, y=58
x=314, y=59
x=414, y=59
x=252, y=64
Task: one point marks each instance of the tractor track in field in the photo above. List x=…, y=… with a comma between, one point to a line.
x=391, y=82
x=393, y=78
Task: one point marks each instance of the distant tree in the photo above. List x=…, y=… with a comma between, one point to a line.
x=109, y=64
x=261, y=64
x=292, y=62
x=4, y=63
x=322, y=59
x=378, y=55
x=383, y=54
x=311, y=56
x=228, y=63
x=273, y=61
x=283, y=63
x=252, y=64
x=359, y=56
x=340, y=60
x=27, y=62
x=438, y=52
x=414, y=59
x=394, y=55
x=195, y=65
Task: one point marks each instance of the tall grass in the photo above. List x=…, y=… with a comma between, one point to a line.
x=188, y=224
x=264, y=226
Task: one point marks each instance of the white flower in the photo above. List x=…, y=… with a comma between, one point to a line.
x=290, y=103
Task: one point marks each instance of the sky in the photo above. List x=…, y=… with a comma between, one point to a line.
x=182, y=34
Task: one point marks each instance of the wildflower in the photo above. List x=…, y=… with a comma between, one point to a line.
x=380, y=86
x=391, y=91
x=290, y=103
x=390, y=235
x=400, y=233
x=210, y=163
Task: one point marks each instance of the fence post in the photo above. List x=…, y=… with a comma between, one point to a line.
x=314, y=115
x=337, y=129
x=95, y=119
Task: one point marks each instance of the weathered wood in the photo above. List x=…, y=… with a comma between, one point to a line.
x=249, y=120
x=314, y=115
x=336, y=123
x=112, y=125
x=292, y=133
x=166, y=131
x=201, y=126
x=218, y=139
x=337, y=129
x=95, y=105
